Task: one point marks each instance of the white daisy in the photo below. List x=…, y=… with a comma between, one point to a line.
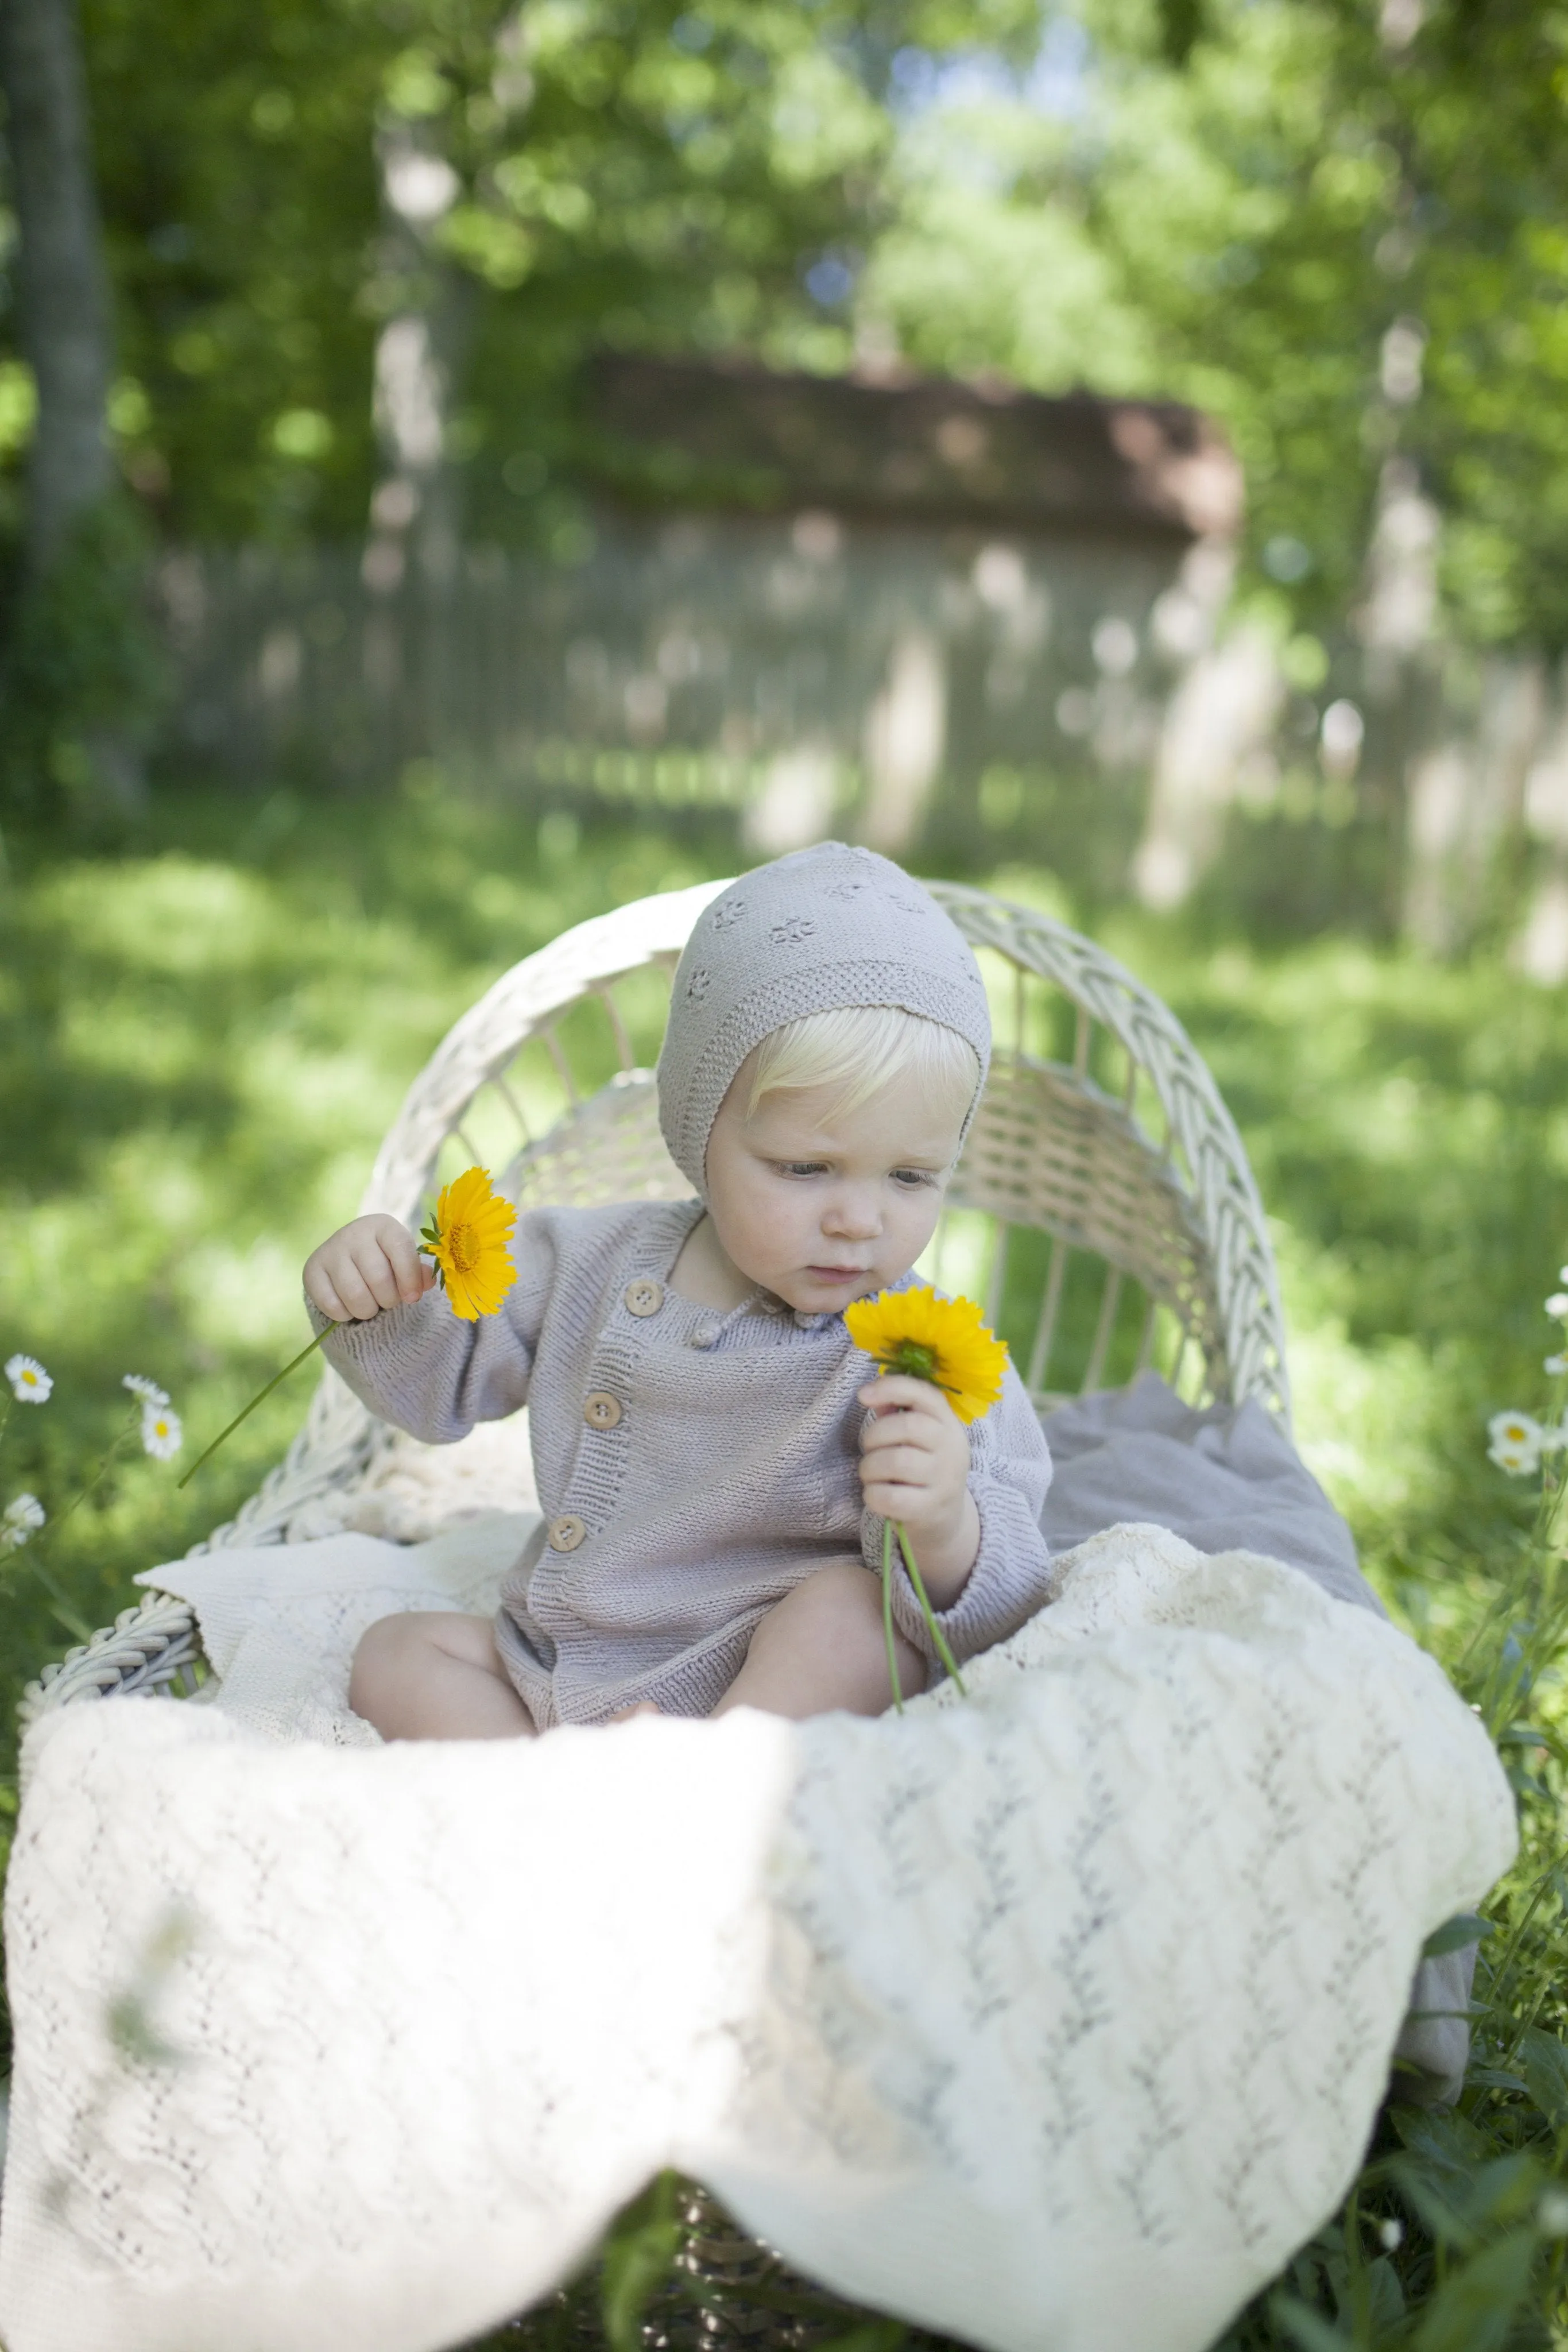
x=30, y=1384
x=1556, y=1366
x=147, y=1390
x=1557, y=1305
x=162, y=1434
x=1516, y=1441
x=21, y=1519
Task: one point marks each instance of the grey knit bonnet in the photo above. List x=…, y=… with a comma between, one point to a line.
x=822, y=928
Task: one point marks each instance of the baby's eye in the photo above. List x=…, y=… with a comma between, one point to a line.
x=912, y=1178
x=800, y=1167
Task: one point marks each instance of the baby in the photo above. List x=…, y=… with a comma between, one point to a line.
x=713, y=1463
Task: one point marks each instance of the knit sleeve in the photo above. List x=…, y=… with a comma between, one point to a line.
x=430, y=1372
x=1009, y=1473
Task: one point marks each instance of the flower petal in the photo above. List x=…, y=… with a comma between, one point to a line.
x=30, y=1384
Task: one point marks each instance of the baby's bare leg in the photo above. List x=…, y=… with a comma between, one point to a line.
x=822, y=1648
x=435, y=1675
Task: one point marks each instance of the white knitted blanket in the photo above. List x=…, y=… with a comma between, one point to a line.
x=1053, y=2019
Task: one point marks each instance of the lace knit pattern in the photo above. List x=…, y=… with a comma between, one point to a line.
x=1056, y=2015
x=692, y=1467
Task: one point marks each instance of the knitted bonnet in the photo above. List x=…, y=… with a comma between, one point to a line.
x=822, y=928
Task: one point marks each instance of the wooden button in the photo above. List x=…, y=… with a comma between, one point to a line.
x=644, y=1297
x=565, y=1534
x=601, y=1411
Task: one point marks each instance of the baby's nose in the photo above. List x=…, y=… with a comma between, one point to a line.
x=854, y=1216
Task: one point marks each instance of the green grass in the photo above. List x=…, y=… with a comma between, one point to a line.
x=204, y=1036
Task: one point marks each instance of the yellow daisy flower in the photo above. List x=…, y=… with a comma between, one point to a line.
x=942, y=1341
x=468, y=1242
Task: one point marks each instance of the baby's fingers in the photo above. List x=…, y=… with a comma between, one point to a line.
x=320, y=1288
x=412, y=1274
x=896, y=1393
x=378, y=1268
x=322, y=1293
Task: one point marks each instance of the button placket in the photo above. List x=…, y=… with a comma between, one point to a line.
x=643, y=1296
x=600, y=1410
x=566, y=1532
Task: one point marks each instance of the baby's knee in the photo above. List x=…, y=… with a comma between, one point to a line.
x=388, y=1652
x=839, y=1598
x=836, y=1615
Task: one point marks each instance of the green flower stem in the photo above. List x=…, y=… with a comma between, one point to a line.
x=48, y=1534
x=259, y=1398
x=892, y=1675
x=938, y=1637
x=60, y=1602
x=32, y=1565
x=943, y=1651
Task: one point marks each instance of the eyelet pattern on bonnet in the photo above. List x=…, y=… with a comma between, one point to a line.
x=822, y=928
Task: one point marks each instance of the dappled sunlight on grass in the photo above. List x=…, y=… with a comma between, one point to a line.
x=1403, y=1120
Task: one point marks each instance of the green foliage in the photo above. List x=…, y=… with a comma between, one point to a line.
x=82, y=673
x=628, y=172
x=1236, y=205
x=238, y=184
x=637, y=2259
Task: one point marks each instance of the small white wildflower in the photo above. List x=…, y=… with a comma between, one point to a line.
x=1553, y=1437
x=30, y=1384
x=1555, y=1367
x=1516, y=1441
x=1551, y=2214
x=1392, y=2234
x=162, y=1434
x=1557, y=1305
x=147, y=1390
x=21, y=1519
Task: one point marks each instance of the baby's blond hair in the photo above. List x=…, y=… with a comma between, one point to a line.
x=861, y=1048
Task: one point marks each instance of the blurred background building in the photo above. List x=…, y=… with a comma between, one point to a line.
x=807, y=601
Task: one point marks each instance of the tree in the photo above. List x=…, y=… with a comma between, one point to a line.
x=62, y=294
x=77, y=659
x=1333, y=224
x=631, y=171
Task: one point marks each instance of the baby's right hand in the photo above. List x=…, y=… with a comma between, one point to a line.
x=371, y=1264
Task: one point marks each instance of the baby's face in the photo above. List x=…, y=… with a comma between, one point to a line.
x=821, y=1206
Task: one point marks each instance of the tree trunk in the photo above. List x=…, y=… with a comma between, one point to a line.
x=63, y=294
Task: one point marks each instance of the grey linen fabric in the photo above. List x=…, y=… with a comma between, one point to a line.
x=693, y=1468
x=1224, y=1477
x=812, y=932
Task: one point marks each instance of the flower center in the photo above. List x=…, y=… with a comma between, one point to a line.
x=915, y=1363
x=464, y=1244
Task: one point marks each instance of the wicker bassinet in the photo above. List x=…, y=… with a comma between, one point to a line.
x=1103, y=1212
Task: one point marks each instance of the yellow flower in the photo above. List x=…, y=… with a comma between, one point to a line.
x=942, y=1341
x=468, y=1242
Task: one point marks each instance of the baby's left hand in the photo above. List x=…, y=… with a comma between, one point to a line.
x=914, y=1467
